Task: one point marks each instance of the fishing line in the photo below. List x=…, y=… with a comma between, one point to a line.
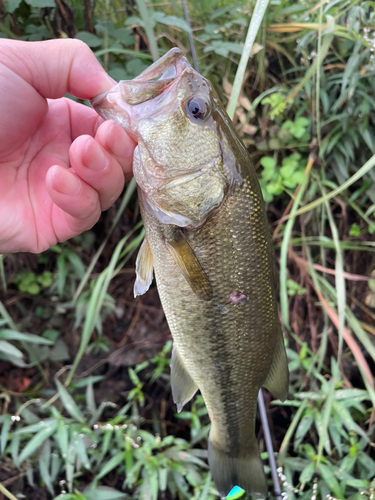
x=261, y=405
x=268, y=440
x=192, y=46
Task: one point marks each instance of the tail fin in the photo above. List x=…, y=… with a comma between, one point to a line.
x=245, y=471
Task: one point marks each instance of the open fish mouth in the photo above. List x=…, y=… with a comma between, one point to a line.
x=148, y=85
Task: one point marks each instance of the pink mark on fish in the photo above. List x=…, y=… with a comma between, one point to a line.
x=237, y=297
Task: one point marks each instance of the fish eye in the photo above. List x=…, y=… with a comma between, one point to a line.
x=196, y=108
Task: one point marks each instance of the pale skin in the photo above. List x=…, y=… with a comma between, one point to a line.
x=61, y=165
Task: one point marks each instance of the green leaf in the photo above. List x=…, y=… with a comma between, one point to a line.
x=44, y=466
x=29, y=429
x=90, y=398
x=37, y=441
x=77, y=264
x=90, y=39
x=69, y=402
x=14, y=449
x=268, y=162
x=105, y=493
x=115, y=461
x=9, y=349
x=80, y=449
x=329, y=477
x=5, y=433
x=123, y=35
x=176, y=22
x=41, y=4
x=307, y=473
x=303, y=427
x=25, y=337
x=62, y=439
x=11, y=5
x=62, y=273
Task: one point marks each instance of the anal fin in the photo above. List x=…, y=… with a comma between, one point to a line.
x=183, y=386
x=277, y=380
x=144, y=269
x=189, y=265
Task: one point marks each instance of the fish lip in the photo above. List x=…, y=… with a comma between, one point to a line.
x=95, y=100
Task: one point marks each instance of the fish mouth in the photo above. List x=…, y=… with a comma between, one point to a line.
x=148, y=85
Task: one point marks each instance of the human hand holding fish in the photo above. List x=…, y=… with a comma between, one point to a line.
x=60, y=163
x=208, y=242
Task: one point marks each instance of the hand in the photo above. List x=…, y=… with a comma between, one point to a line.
x=60, y=165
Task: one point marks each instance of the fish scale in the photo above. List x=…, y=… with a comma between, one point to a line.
x=208, y=242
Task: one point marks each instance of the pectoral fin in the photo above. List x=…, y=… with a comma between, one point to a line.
x=144, y=269
x=183, y=386
x=189, y=265
x=277, y=380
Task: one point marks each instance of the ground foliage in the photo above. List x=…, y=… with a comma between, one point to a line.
x=86, y=411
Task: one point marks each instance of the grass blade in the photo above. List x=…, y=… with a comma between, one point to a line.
x=339, y=281
x=354, y=178
x=285, y=244
x=124, y=203
x=5, y=433
x=96, y=302
x=7, y=493
x=2, y=274
x=256, y=19
x=37, y=441
x=69, y=403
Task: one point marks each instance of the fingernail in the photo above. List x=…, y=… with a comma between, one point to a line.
x=121, y=144
x=94, y=157
x=66, y=182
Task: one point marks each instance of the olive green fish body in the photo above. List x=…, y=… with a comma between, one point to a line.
x=225, y=346
x=208, y=242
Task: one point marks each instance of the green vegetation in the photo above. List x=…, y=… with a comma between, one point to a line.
x=82, y=422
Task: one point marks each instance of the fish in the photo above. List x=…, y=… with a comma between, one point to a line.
x=209, y=245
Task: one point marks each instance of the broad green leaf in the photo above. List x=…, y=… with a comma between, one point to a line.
x=41, y=4
x=90, y=39
x=12, y=5
x=176, y=22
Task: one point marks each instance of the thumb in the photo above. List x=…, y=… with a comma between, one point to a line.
x=55, y=67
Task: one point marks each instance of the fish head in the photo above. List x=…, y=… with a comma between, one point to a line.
x=170, y=111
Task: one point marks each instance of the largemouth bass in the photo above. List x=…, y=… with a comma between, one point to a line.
x=208, y=241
